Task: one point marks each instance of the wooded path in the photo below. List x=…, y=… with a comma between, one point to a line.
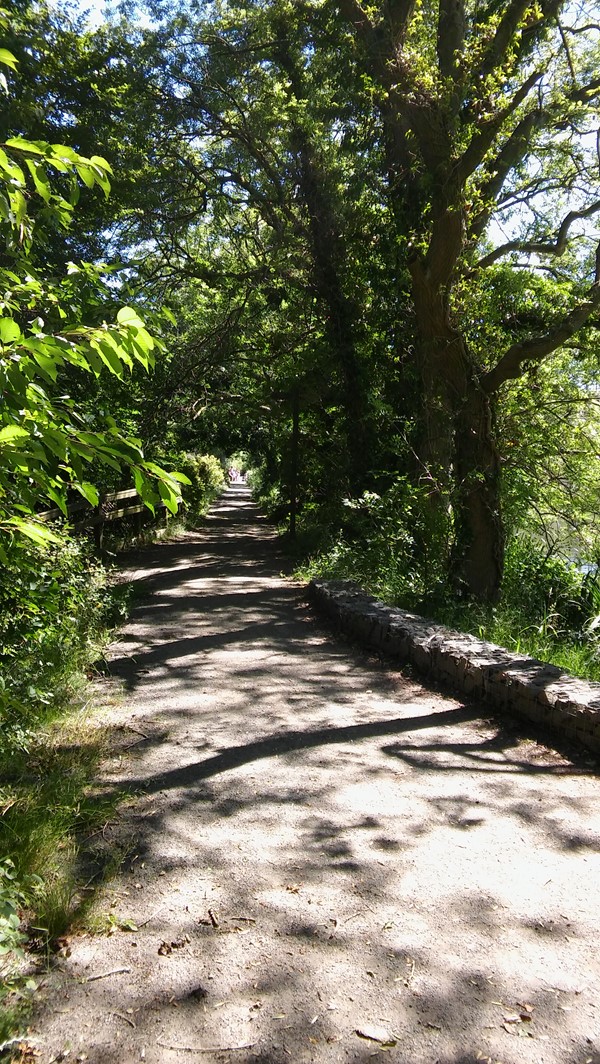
x=325, y=861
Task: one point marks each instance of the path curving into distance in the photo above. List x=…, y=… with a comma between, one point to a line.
x=326, y=861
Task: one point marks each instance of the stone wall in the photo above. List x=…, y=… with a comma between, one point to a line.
x=533, y=689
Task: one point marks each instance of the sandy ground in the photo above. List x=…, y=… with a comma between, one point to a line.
x=326, y=862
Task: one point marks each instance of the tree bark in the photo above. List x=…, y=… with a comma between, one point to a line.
x=458, y=453
x=329, y=257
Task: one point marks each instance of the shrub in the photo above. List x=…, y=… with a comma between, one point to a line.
x=388, y=544
x=54, y=601
x=207, y=479
x=543, y=588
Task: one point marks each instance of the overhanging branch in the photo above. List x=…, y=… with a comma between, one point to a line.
x=511, y=365
x=543, y=247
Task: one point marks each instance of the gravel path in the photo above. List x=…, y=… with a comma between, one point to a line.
x=326, y=862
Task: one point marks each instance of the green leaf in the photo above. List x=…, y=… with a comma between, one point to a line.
x=12, y=432
x=109, y=357
x=9, y=331
x=39, y=534
x=168, y=496
x=8, y=59
x=128, y=316
x=40, y=180
x=101, y=163
x=47, y=364
x=58, y=499
x=86, y=176
x=89, y=492
x=24, y=145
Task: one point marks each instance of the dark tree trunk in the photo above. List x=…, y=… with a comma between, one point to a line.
x=329, y=263
x=294, y=460
x=458, y=453
x=479, y=529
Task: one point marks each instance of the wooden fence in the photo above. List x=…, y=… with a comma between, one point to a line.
x=109, y=508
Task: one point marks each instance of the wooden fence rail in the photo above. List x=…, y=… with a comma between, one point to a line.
x=97, y=517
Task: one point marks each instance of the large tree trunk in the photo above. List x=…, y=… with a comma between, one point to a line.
x=479, y=529
x=329, y=257
x=457, y=452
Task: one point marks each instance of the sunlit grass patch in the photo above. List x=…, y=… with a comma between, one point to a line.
x=48, y=812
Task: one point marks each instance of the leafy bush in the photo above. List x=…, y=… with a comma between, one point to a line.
x=54, y=601
x=207, y=478
x=387, y=544
x=543, y=588
x=12, y=900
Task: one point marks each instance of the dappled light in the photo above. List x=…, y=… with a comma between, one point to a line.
x=323, y=859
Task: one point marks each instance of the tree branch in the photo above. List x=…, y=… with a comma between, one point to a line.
x=567, y=51
x=483, y=139
x=354, y=13
x=511, y=152
x=587, y=92
x=399, y=13
x=507, y=32
x=503, y=37
x=450, y=35
x=511, y=365
x=541, y=247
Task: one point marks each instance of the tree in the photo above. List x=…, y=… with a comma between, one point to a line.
x=353, y=163
x=477, y=119
x=46, y=442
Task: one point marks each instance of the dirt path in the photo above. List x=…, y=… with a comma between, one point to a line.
x=323, y=850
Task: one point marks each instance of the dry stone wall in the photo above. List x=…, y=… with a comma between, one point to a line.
x=519, y=684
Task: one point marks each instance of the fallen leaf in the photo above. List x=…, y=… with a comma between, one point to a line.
x=376, y=1034
x=525, y=1007
x=507, y=1027
x=293, y=888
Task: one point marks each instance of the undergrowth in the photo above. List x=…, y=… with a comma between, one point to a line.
x=57, y=606
x=549, y=608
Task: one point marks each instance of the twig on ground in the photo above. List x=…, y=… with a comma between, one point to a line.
x=136, y=742
x=105, y=975
x=127, y=1019
x=143, y=923
x=211, y=1049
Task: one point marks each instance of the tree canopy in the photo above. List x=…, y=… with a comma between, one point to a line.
x=376, y=227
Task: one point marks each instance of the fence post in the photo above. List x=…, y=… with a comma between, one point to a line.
x=99, y=528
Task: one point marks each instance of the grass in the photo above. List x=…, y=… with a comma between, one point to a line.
x=48, y=810
x=50, y=748
x=508, y=628
x=48, y=814
x=542, y=634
